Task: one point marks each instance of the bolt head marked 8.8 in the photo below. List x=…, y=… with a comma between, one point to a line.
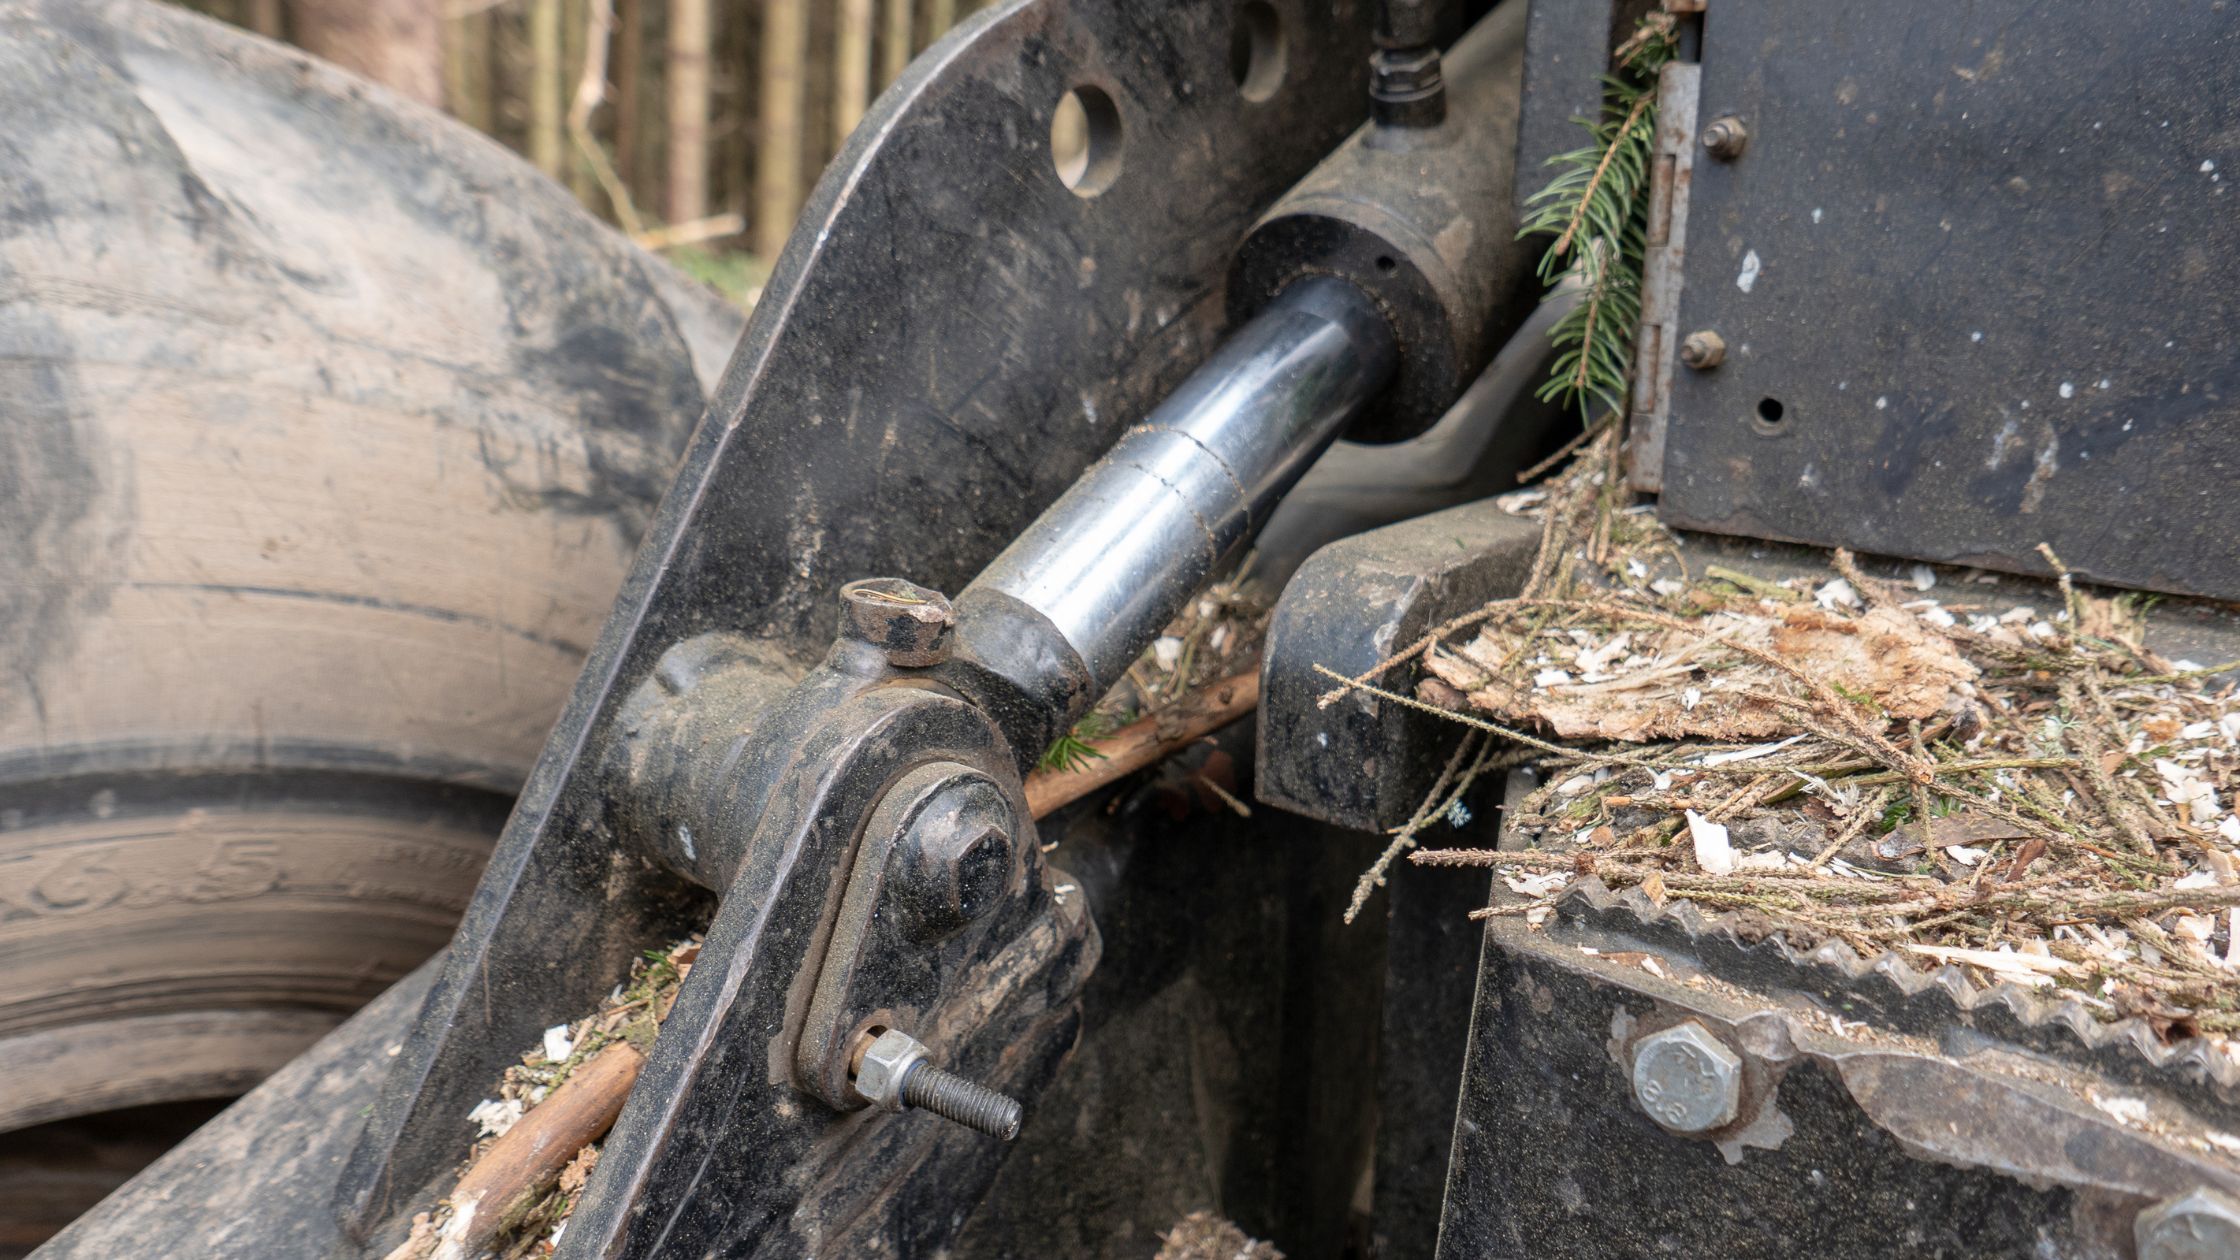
x=1687, y=1079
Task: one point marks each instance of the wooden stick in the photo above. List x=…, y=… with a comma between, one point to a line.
x=591, y=92
x=521, y=1166
x=1155, y=738
x=671, y=235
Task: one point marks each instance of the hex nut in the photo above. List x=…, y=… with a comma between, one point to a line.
x=883, y=1064
x=1687, y=1079
x=1703, y=350
x=907, y=622
x=1725, y=138
x=2202, y=1224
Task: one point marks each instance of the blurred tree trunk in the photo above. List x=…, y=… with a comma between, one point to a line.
x=466, y=65
x=396, y=43
x=629, y=47
x=851, y=93
x=689, y=27
x=897, y=48
x=785, y=46
x=545, y=108
x=263, y=17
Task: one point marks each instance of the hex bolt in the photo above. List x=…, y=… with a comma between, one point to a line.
x=892, y=1071
x=1405, y=87
x=953, y=853
x=2202, y=1224
x=1725, y=138
x=1703, y=350
x=905, y=621
x=1687, y=1079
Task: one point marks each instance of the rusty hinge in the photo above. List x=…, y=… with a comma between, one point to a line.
x=1658, y=342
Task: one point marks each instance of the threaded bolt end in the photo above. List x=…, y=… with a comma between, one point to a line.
x=952, y=1097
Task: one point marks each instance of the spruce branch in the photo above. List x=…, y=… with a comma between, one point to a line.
x=1596, y=207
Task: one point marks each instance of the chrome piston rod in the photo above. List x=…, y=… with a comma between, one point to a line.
x=1183, y=493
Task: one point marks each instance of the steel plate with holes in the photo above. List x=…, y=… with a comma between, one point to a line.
x=1978, y=272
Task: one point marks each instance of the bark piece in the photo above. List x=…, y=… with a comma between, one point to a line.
x=1675, y=684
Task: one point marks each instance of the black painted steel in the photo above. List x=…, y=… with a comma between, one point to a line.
x=1856, y=1134
x=1361, y=761
x=1978, y=273
x=934, y=358
x=1420, y=219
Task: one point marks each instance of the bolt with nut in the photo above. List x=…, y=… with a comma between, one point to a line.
x=906, y=622
x=2202, y=1224
x=1687, y=1080
x=892, y=1071
x=1725, y=138
x=1703, y=350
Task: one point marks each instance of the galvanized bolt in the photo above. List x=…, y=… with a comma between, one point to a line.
x=953, y=851
x=891, y=1071
x=1687, y=1079
x=2201, y=1225
x=1703, y=350
x=904, y=620
x=1725, y=138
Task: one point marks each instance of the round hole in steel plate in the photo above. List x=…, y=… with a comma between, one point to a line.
x=1085, y=140
x=1770, y=416
x=1256, y=50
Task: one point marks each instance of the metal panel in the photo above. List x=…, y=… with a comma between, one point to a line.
x=1979, y=269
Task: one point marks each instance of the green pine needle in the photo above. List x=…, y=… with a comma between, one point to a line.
x=1597, y=208
x=1072, y=750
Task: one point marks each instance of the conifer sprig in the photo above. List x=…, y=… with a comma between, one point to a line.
x=1597, y=209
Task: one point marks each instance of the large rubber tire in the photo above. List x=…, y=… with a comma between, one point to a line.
x=327, y=429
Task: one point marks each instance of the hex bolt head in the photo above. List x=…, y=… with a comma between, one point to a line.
x=907, y=622
x=953, y=855
x=1687, y=1079
x=1725, y=138
x=2202, y=1224
x=1703, y=350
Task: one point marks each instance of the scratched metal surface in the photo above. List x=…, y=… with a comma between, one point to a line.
x=1985, y=256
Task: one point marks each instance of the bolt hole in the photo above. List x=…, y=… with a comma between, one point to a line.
x=1085, y=140
x=1386, y=265
x=1771, y=416
x=1256, y=50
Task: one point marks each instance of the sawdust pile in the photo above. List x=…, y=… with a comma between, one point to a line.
x=1911, y=765
x=1206, y=1236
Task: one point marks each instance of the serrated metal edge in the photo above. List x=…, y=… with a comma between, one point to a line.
x=1901, y=997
